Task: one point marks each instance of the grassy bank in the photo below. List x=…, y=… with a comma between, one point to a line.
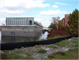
x=70, y=54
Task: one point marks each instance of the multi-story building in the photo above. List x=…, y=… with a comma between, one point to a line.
x=64, y=21
x=19, y=21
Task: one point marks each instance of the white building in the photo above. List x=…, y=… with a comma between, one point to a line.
x=20, y=21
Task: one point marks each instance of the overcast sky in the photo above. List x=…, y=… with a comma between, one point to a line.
x=41, y=10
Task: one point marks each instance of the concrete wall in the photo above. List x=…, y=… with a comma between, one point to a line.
x=25, y=31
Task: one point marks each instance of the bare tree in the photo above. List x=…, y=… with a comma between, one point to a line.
x=55, y=20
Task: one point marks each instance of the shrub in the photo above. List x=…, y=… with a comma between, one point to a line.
x=42, y=51
x=61, y=31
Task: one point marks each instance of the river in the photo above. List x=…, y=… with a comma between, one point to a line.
x=43, y=36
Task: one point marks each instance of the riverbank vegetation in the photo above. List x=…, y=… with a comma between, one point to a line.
x=70, y=29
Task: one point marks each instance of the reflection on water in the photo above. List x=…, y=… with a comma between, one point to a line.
x=10, y=39
x=15, y=39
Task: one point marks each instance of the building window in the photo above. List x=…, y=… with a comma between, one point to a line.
x=30, y=22
x=67, y=16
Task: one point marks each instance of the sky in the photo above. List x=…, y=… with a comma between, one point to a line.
x=41, y=10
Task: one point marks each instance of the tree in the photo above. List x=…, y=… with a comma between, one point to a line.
x=73, y=22
x=60, y=22
x=54, y=22
x=42, y=25
x=51, y=25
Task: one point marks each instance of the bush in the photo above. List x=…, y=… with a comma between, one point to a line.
x=61, y=31
x=42, y=51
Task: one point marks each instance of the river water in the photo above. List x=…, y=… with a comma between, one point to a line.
x=44, y=36
x=12, y=39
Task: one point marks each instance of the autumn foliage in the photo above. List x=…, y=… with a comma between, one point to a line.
x=60, y=31
x=70, y=29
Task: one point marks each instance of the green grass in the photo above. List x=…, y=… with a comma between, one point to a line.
x=57, y=37
x=61, y=43
x=40, y=40
x=49, y=38
x=11, y=56
x=15, y=56
x=71, y=54
x=75, y=40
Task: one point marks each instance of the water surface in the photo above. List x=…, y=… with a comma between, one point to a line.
x=44, y=36
x=14, y=39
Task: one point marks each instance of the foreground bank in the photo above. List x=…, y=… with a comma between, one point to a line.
x=66, y=49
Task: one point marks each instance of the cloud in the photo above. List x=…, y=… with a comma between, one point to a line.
x=52, y=12
x=39, y=20
x=2, y=21
x=45, y=22
x=60, y=3
x=55, y=6
x=11, y=12
x=20, y=6
x=38, y=15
